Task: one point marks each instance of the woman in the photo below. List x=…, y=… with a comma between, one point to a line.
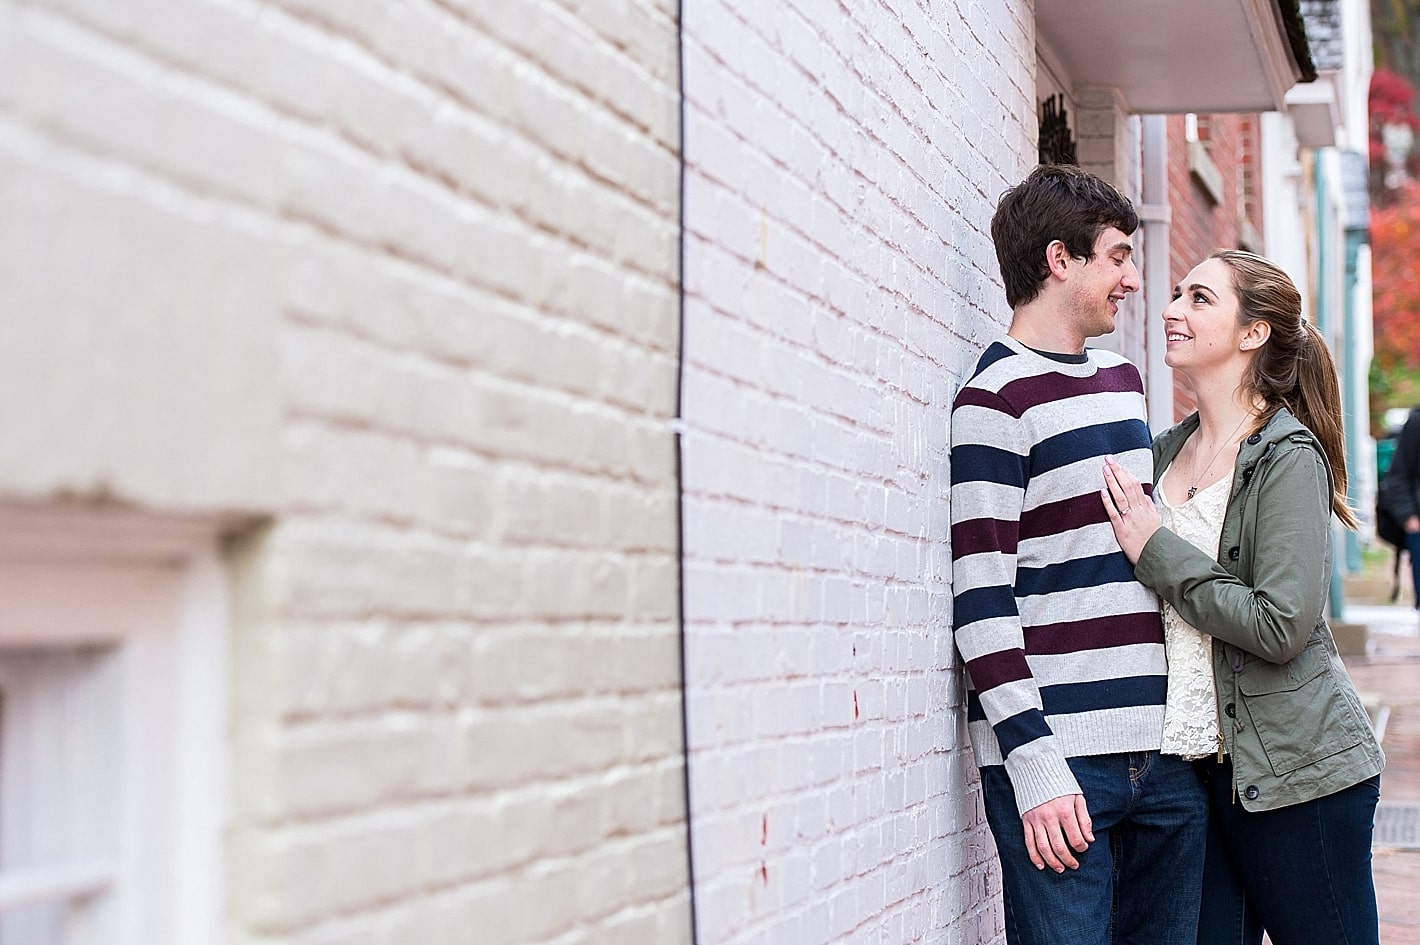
x=1250, y=482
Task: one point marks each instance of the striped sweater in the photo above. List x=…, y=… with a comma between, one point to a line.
x=1064, y=649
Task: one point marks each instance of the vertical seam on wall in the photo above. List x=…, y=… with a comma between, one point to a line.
x=678, y=431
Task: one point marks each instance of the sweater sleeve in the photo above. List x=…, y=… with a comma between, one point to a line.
x=990, y=448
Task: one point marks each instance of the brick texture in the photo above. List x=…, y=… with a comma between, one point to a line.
x=840, y=280
x=1202, y=224
x=1108, y=145
x=400, y=281
x=395, y=286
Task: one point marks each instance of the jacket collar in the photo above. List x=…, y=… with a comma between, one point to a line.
x=1281, y=428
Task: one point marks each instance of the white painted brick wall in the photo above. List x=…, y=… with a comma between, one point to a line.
x=840, y=279
x=402, y=277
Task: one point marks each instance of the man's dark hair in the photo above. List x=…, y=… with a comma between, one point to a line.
x=1056, y=202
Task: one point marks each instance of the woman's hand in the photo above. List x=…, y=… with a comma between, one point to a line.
x=1131, y=512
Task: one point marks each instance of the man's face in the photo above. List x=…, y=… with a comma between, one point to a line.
x=1098, y=287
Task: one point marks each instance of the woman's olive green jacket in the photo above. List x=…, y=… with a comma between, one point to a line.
x=1290, y=715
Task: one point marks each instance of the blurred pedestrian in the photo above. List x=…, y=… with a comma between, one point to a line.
x=1399, y=494
x=1249, y=484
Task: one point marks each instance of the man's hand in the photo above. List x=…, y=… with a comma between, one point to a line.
x=1055, y=828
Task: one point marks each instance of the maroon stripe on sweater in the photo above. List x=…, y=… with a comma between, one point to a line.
x=1046, y=388
x=976, y=397
x=979, y=535
x=1056, y=518
x=1096, y=633
x=997, y=669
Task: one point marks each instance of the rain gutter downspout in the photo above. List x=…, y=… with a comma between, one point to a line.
x=1156, y=221
x=1336, y=605
x=678, y=431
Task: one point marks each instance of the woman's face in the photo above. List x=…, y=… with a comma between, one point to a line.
x=1201, y=329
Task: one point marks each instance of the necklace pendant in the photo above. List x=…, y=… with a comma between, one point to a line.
x=1192, y=491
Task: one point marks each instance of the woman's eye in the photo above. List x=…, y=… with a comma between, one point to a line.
x=1200, y=298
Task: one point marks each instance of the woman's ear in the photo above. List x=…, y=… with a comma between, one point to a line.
x=1256, y=335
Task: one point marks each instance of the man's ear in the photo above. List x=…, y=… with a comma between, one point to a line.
x=1057, y=257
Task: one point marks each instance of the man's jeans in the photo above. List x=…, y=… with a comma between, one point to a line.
x=1303, y=871
x=1138, y=883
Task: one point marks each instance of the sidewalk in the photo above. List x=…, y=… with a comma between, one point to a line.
x=1389, y=675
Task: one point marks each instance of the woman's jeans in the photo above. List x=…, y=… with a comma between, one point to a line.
x=1138, y=883
x=1301, y=872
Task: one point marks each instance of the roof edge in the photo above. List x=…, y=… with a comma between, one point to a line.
x=1296, y=29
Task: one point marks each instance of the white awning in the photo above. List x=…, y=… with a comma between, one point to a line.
x=1165, y=56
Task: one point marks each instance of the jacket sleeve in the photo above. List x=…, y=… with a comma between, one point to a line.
x=1287, y=544
x=989, y=455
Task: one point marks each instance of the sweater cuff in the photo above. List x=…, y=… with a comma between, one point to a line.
x=1038, y=774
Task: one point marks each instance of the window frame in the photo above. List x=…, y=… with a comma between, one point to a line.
x=154, y=590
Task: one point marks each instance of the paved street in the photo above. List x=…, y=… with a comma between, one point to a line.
x=1389, y=673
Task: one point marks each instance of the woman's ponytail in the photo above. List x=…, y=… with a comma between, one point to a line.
x=1294, y=369
x=1316, y=401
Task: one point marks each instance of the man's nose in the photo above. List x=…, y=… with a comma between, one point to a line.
x=1130, y=282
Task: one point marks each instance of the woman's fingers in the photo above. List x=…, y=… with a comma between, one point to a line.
x=1126, y=489
x=1118, y=496
x=1131, y=513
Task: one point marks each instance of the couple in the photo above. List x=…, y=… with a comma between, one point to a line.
x=1198, y=774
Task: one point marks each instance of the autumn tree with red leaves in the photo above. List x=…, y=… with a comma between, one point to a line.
x=1392, y=111
x=1395, y=245
x=1395, y=262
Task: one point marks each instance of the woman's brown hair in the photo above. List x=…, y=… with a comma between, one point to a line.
x=1293, y=369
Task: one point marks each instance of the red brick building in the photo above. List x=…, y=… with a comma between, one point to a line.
x=1215, y=197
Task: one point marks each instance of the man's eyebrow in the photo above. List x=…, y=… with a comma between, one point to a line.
x=1122, y=246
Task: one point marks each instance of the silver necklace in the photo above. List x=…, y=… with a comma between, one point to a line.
x=1233, y=438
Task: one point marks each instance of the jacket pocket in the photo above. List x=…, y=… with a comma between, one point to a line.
x=1298, y=709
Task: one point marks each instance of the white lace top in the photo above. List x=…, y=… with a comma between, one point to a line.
x=1191, y=706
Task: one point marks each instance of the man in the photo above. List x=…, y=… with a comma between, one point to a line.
x=1399, y=494
x=1100, y=836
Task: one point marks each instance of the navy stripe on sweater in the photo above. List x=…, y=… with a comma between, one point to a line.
x=1018, y=730
x=995, y=352
x=1072, y=575
x=974, y=462
x=1069, y=698
x=1085, y=443
x=999, y=600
